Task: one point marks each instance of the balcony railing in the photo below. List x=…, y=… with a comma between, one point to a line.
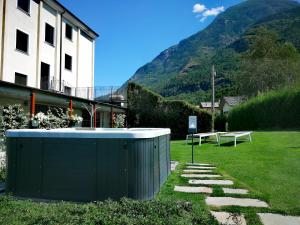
x=107, y=94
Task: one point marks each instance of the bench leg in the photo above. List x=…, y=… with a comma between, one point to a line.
x=234, y=142
x=217, y=138
x=250, y=139
x=200, y=141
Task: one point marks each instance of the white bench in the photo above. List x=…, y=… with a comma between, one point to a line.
x=203, y=135
x=235, y=136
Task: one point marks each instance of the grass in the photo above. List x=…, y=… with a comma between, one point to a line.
x=269, y=167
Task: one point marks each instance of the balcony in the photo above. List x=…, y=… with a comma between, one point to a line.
x=108, y=94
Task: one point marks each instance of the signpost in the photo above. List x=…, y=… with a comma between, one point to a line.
x=192, y=130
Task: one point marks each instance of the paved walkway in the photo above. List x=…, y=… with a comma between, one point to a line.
x=203, y=170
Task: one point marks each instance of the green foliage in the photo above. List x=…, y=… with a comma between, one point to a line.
x=269, y=64
x=2, y=173
x=13, y=117
x=126, y=212
x=147, y=109
x=220, y=122
x=54, y=119
x=274, y=110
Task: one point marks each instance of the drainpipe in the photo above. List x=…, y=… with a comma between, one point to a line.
x=61, y=34
x=2, y=38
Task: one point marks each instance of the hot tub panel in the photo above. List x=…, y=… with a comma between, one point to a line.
x=87, y=169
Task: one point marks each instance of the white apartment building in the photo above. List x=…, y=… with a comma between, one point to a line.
x=45, y=46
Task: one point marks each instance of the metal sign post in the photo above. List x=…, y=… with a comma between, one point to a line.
x=192, y=130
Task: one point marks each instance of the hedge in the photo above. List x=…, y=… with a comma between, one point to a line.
x=274, y=110
x=148, y=109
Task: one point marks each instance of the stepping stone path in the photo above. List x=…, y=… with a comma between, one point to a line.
x=276, y=219
x=229, y=218
x=201, y=167
x=228, y=201
x=174, y=164
x=197, y=171
x=200, y=175
x=188, y=189
x=201, y=170
x=235, y=191
x=211, y=182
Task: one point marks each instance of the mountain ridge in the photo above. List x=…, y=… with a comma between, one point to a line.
x=172, y=72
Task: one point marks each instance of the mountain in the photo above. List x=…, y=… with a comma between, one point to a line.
x=183, y=70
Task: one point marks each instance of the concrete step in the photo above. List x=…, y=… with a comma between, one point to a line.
x=211, y=182
x=229, y=218
x=201, y=175
x=188, y=189
x=277, y=219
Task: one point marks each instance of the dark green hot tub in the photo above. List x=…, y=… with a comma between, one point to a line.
x=87, y=165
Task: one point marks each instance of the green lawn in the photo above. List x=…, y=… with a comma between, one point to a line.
x=269, y=167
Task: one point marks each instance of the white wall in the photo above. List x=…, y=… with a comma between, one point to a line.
x=15, y=61
x=48, y=52
x=69, y=47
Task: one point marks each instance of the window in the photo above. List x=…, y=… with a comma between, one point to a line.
x=22, y=41
x=69, y=32
x=20, y=79
x=49, y=34
x=68, y=90
x=68, y=62
x=24, y=5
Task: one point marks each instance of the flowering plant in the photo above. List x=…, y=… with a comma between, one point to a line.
x=119, y=120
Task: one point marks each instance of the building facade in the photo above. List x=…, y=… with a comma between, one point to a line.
x=45, y=46
x=47, y=60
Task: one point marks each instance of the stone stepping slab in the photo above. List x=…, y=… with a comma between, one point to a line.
x=197, y=171
x=235, y=191
x=188, y=189
x=229, y=218
x=228, y=201
x=200, y=175
x=211, y=182
x=201, y=167
x=198, y=164
x=174, y=164
x=276, y=219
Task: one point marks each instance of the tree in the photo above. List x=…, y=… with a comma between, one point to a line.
x=269, y=64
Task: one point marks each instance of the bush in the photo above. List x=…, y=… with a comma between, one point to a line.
x=220, y=122
x=55, y=118
x=148, y=109
x=13, y=117
x=275, y=110
x=126, y=212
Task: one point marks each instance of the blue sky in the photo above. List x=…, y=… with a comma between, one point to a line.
x=133, y=32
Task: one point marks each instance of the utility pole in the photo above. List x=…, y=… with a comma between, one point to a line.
x=213, y=75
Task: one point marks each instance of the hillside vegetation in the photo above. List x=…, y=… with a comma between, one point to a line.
x=183, y=71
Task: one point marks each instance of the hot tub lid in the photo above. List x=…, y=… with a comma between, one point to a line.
x=117, y=133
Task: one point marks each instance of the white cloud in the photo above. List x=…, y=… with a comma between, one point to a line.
x=203, y=12
x=214, y=11
x=198, y=8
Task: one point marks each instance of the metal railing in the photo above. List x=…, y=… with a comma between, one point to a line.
x=107, y=94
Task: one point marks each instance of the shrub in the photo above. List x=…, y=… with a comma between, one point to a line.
x=119, y=120
x=126, y=212
x=220, y=122
x=275, y=110
x=55, y=118
x=148, y=109
x=13, y=117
